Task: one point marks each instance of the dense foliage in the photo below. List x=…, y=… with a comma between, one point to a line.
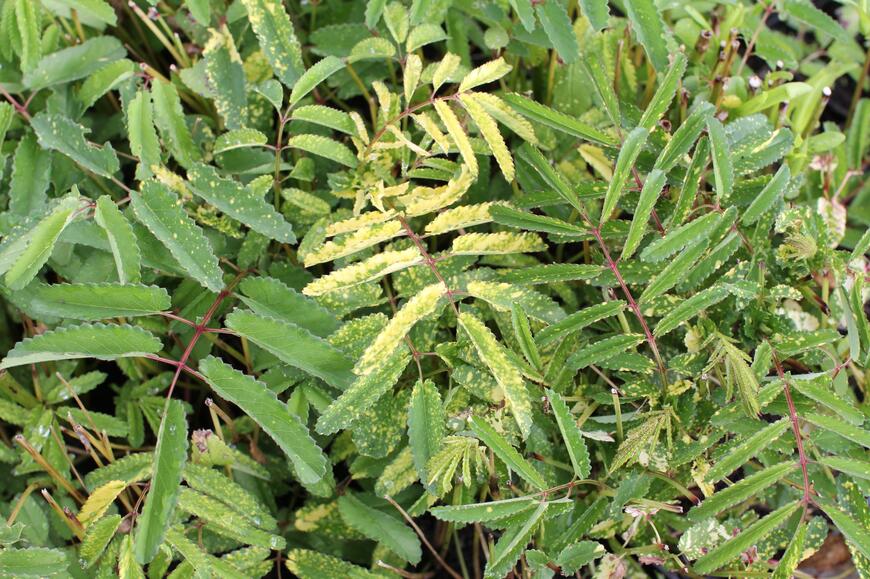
x=433, y=288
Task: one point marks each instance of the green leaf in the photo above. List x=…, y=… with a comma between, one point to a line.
x=837, y=426
x=32, y=562
x=312, y=77
x=806, y=13
x=557, y=26
x=75, y=62
x=525, y=12
x=323, y=147
x=91, y=302
x=754, y=533
x=294, y=345
x=104, y=80
x=680, y=237
x=271, y=298
x=684, y=137
x=512, y=217
x=601, y=82
x=169, y=458
x=59, y=133
x=426, y=421
x=512, y=543
x=723, y=167
x=31, y=177
x=27, y=16
x=691, y=183
x=597, y=13
x=142, y=134
x=92, y=11
x=277, y=38
x=772, y=97
x=169, y=118
x=326, y=117
x=578, y=320
x=122, y=240
x=749, y=447
x=690, y=308
x=577, y=451
x=663, y=97
x=628, y=153
x=104, y=342
x=768, y=196
x=483, y=512
x=818, y=391
x=505, y=452
x=578, y=554
x=373, y=48
x=223, y=68
x=218, y=485
x=544, y=115
x=554, y=179
x=162, y=212
x=851, y=466
x=239, y=202
x=238, y=139
x=362, y=394
x=857, y=534
x=646, y=22
x=739, y=492
x=41, y=241
x=676, y=271
x=97, y=538
x=652, y=188
x=198, y=559
x=506, y=374
x=523, y=334
x=226, y=521
x=603, y=350
x=381, y=527
x=261, y=404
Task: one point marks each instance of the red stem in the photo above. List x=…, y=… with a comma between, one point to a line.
x=596, y=232
x=200, y=329
x=429, y=261
x=795, y=426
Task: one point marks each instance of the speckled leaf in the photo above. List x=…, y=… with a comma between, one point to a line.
x=261, y=404
x=506, y=374
x=223, y=67
x=239, y=202
x=122, y=240
x=646, y=23
x=42, y=239
x=91, y=302
x=162, y=212
x=142, y=134
x=169, y=118
x=277, y=38
x=295, y=346
x=59, y=133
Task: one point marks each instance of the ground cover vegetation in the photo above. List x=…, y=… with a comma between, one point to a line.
x=433, y=288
